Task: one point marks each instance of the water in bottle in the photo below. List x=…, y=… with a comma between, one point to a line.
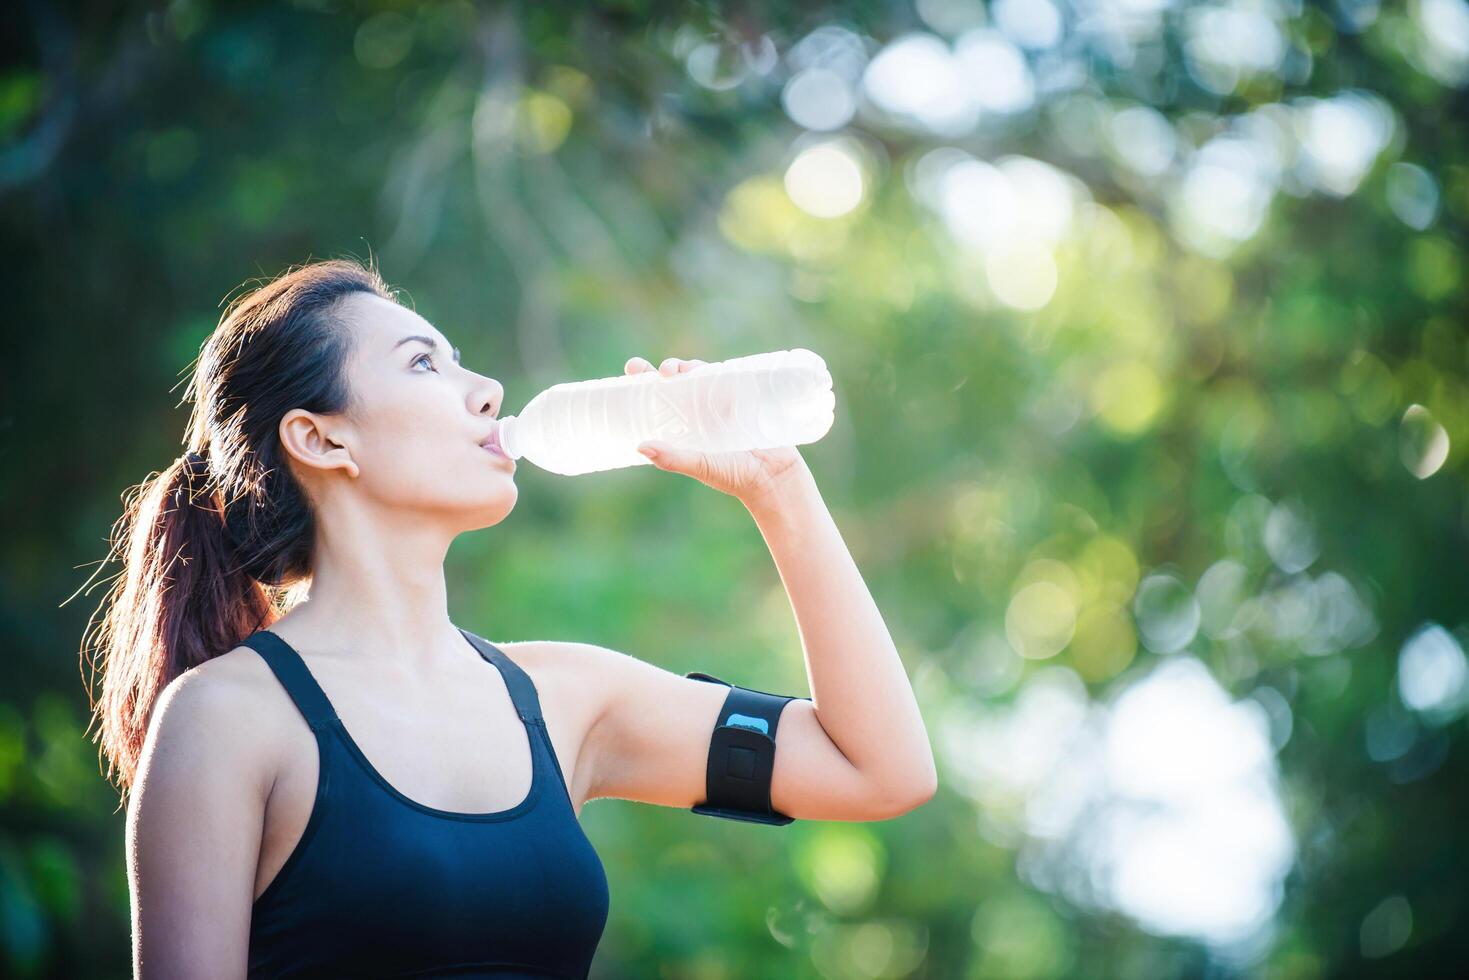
x=779, y=398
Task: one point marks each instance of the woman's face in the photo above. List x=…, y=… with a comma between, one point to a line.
x=417, y=420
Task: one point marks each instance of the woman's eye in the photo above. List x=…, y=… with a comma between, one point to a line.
x=425, y=357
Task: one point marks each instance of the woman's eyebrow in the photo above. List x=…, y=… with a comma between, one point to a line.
x=428, y=342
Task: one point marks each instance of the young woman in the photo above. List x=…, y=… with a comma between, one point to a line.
x=324, y=775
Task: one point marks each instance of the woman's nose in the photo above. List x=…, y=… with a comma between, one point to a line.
x=486, y=399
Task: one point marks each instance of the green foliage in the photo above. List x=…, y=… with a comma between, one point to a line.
x=1161, y=364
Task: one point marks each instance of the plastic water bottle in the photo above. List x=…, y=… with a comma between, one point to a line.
x=781, y=398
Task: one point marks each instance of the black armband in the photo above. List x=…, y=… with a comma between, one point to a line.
x=742, y=755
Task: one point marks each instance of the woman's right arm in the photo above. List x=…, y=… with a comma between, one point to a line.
x=194, y=820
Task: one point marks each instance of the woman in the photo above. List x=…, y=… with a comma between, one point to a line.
x=324, y=775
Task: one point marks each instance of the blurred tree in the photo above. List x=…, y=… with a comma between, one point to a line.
x=1147, y=320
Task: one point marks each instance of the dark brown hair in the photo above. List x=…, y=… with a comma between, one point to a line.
x=218, y=546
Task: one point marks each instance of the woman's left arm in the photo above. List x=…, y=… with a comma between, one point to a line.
x=860, y=695
x=859, y=688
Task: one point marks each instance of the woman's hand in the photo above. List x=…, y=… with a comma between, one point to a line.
x=751, y=475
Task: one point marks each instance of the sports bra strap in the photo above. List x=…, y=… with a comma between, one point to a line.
x=294, y=677
x=522, y=688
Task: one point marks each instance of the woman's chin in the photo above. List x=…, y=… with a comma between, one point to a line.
x=496, y=509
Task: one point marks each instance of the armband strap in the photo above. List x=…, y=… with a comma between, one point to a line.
x=742, y=755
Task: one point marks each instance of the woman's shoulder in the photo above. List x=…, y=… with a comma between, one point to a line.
x=239, y=700
x=539, y=654
x=566, y=680
x=235, y=682
x=215, y=717
x=238, y=673
x=552, y=662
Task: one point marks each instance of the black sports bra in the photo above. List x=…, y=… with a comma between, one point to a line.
x=382, y=886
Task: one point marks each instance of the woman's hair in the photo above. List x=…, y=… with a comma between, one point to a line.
x=218, y=545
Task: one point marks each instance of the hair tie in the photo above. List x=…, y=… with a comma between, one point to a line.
x=196, y=465
x=196, y=474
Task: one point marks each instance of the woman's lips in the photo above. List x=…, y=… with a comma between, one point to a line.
x=492, y=442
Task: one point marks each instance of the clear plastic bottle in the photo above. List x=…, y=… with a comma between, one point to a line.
x=780, y=398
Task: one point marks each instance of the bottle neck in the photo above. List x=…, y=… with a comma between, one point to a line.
x=507, y=436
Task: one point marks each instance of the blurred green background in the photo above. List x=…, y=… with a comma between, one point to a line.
x=1147, y=325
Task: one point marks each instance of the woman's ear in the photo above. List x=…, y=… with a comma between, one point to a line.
x=317, y=442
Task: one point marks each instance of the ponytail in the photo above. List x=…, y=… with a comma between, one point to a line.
x=179, y=601
x=218, y=545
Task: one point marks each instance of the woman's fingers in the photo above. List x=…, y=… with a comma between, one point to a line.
x=678, y=365
x=668, y=367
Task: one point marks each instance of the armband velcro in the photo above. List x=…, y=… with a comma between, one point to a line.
x=742, y=755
